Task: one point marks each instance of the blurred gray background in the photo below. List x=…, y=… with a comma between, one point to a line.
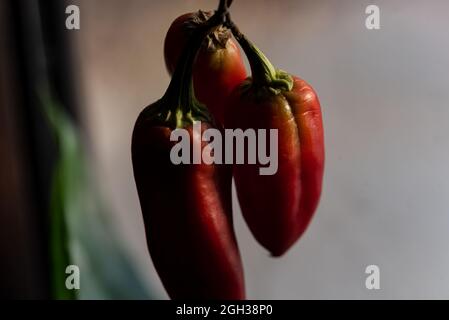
x=384, y=96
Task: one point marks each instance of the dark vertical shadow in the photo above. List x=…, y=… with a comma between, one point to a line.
x=35, y=55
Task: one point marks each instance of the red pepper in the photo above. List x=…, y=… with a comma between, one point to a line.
x=187, y=208
x=219, y=66
x=279, y=207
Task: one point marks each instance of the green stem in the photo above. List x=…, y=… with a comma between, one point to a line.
x=264, y=74
x=180, y=97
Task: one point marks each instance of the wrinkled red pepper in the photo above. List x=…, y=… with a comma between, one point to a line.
x=279, y=207
x=219, y=66
x=187, y=208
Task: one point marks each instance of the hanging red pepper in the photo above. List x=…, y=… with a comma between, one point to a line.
x=187, y=208
x=279, y=207
x=219, y=66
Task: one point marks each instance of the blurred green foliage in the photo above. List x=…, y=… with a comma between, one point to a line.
x=82, y=232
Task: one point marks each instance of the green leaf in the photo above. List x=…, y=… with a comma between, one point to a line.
x=81, y=231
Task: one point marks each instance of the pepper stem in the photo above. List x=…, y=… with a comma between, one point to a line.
x=183, y=107
x=179, y=107
x=264, y=74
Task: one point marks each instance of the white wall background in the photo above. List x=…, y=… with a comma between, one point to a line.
x=385, y=98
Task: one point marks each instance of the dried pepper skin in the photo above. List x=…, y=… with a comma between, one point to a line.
x=278, y=208
x=219, y=66
x=187, y=211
